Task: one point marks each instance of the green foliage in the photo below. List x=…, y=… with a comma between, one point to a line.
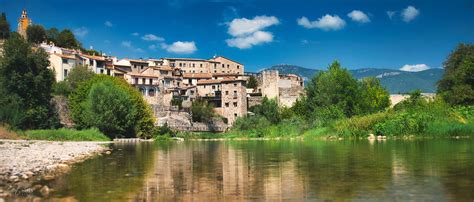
x=52, y=35
x=66, y=39
x=35, y=34
x=358, y=126
x=268, y=109
x=201, y=111
x=64, y=134
x=77, y=75
x=4, y=27
x=372, y=96
x=252, y=82
x=335, y=87
x=457, y=84
x=162, y=131
x=88, y=100
x=62, y=88
x=177, y=102
x=26, y=79
x=90, y=51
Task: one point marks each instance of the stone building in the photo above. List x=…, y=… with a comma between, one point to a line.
x=286, y=89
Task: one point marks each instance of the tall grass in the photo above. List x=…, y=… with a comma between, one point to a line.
x=66, y=135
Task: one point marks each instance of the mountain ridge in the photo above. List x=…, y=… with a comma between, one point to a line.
x=394, y=80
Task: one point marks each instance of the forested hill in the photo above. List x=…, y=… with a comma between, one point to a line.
x=396, y=81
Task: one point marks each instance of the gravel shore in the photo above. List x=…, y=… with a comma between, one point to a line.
x=25, y=165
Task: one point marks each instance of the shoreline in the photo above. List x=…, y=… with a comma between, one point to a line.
x=27, y=166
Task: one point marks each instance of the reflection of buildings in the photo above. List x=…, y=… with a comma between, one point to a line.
x=206, y=171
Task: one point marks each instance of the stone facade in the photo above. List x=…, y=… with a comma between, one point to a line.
x=286, y=89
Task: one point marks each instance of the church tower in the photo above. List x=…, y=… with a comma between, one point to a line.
x=23, y=23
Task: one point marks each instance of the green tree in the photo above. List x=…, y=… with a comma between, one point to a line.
x=4, y=27
x=373, y=97
x=457, y=84
x=201, y=111
x=52, y=35
x=108, y=108
x=139, y=115
x=79, y=74
x=25, y=77
x=268, y=109
x=66, y=39
x=35, y=34
x=333, y=88
x=252, y=82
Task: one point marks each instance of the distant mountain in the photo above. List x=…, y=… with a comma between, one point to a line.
x=395, y=81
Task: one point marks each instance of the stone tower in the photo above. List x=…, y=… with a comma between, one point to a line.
x=23, y=23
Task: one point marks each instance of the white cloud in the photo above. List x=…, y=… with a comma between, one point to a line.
x=359, y=16
x=249, y=32
x=415, y=68
x=135, y=34
x=128, y=45
x=180, y=47
x=108, y=24
x=248, y=41
x=244, y=26
x=409, y=13
x=81, y=31
x=152, y=37
x=326, y=23
x=390, y=14
x=152, y=47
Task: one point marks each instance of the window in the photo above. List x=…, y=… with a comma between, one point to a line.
x=64, y=61
x=193, y=64
x=65, y=73
x=235, y=85
x=235, y=93
x=192, y=92
x=151, y=92
x=143, y=80
x=226, y=92
x=238, y=66
x=200, y=65
x=223, y=65
x=226, y=104
x=141, y=67
x=101, y=71
x=151, y=81
x=136, y=80
x=213, y=87
x=235, y=115
x=235, y=104
x=172, y=64
x=215, y=71
x=228, y=66
x=108, y=72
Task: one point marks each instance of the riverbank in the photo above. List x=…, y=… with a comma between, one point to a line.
x=26, y=166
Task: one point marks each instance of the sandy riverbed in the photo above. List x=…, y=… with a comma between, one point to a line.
x=24, y=164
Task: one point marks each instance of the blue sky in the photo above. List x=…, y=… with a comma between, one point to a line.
x=360, y=34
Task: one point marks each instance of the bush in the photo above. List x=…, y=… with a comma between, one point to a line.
x=85, y=103
x=359, y=125
x=63, y=134
x=162, y=131
x=62, y=88
x=201, y=111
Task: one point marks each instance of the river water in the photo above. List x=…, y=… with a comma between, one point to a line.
x=275, y=170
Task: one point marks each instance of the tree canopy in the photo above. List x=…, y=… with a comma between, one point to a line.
x=25, y=84
x=66, y=39
x=4, y=27
x=457, y=84
x=113, y=106
x=35, y=34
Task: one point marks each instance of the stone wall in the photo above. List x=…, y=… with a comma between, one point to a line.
x=182, y=120
x=61, y=105
x=268, y=84
x=254, y=100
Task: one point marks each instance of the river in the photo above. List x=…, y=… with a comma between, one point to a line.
x=275, y=170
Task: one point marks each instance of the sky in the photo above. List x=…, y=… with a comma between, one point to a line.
x=408, y=35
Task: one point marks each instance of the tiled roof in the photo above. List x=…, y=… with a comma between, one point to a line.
x=197, y=75
x=94, y=57
x=138, y=61
x=66, y=56
x=142, y=75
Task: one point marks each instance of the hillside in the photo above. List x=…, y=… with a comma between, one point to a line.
x=395, y=81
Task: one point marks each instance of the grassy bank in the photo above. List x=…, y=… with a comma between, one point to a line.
x=432, y=119
x=66, y=135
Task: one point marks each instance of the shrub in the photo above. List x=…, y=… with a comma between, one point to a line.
x=201, y=111
x=162, y=131
x=359, y=125
x=139, y=114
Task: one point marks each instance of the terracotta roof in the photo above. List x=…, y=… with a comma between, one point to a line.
x=142, y=75
x=138, y=61
x=226, y=59
x=165, y=68
x=94, y=57
x=226, y=74
x=209, y=81
x=197, y=75
x=186, y=59
x=66, y=56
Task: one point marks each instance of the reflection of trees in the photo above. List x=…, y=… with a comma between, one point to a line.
x=109, y=177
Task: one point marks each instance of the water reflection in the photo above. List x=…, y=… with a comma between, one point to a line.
x=278, y=170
